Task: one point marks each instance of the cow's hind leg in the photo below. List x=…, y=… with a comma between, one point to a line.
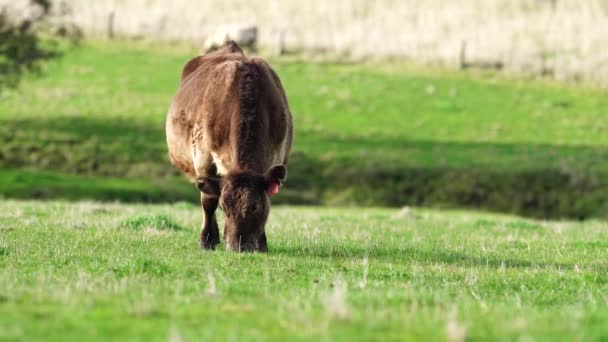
x=210, y=234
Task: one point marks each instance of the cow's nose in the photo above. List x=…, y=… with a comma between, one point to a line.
x=241, y=244
x=241, y=247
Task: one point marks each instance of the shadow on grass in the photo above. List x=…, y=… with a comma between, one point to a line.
x=42, y=185
x=125, y=159
x=541, y=181
x=436, y=256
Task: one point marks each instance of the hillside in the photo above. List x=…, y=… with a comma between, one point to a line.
x=370, y=134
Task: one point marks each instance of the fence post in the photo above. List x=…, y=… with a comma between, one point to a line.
x=463, y=55
x=282, y=43
x=111, y=25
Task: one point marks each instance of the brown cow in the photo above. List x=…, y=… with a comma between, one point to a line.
x=229, y=128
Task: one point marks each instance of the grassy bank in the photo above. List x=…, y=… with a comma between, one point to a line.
x=110, y=271
x=365, y=134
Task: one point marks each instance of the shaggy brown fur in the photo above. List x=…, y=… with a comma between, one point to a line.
x=229, y=128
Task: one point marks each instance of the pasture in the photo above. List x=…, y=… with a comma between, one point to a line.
x=119, y=271
x=99, y=234
x=367, y=134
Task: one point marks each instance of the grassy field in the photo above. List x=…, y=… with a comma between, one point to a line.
x=555, y=38
x=387, y=134
x=135, y=272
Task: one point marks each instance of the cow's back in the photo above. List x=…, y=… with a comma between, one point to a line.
x=229, y=113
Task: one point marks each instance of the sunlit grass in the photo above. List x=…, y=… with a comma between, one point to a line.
x=388, y=134
x=68, y=270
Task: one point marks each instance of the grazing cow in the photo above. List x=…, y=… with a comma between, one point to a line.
x=230, y=130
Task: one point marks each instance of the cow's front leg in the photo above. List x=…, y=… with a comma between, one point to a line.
x=210, y=234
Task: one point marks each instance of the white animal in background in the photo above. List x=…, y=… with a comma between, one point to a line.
x=244, y=35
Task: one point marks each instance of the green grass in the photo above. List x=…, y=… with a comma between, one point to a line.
x=42, y=184
x=365, y=134
x=92, y=128
x=135, y=272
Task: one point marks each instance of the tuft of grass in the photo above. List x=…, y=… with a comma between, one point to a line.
x=158, y=221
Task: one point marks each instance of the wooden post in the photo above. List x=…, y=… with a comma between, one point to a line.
x=463, y=55
x=111, y=25
x=282, y=42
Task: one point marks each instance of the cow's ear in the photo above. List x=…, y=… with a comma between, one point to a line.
x=209, y=186
x=277, y=174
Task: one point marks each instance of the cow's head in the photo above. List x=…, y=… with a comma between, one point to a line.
x=244, y=198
